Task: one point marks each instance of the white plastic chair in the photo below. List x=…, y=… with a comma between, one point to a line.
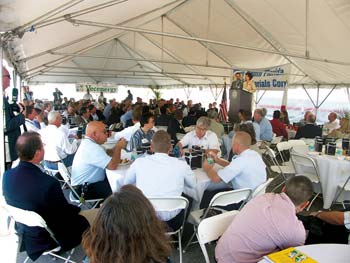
x=169, y=204
x=179, y=136
x=32, y=219
x=342, y=188
x=220, y=199
x=261, y=189
x=73, y=195
x=212, y=228
x=302, y=149
x=283, y=170
x=304, y=165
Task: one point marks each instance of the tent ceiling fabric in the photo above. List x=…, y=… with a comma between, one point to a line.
x=216, y=37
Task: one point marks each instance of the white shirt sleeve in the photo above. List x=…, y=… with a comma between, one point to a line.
x=185, y=141
x=214, y=142
x=190, y=178
x=231, y=171
x=130, y=177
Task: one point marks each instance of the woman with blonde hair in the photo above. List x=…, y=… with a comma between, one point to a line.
x=127, y=229
x=343, y=131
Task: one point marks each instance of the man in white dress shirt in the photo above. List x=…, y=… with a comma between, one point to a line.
x=160, y=175
x=246, y=170
x=201, y=136
x=333, y=123
x=56, y=143
x=29, y=121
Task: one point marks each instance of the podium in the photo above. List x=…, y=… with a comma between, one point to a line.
x=239, y=99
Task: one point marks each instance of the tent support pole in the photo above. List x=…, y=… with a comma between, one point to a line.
x=312, y=101
x=208, y=28
x=2, y=121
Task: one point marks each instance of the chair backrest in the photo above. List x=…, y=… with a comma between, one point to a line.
x=168, y=204
x=171, y=203
x=26, y=217
x=66, y=177
x=301, y=161
x=261, y=189
x=293, y=143
x=282, y=146
x=179, y=136
x=276, y=140
x=303, y=149
x=231, y=197
x=29, y=218
x=212, y=228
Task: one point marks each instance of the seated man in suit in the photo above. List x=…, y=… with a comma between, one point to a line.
x=28, y=187
x=310, y=130
x=161, y=175
x=175, y=125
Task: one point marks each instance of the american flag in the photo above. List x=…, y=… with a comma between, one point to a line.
x=223, y=106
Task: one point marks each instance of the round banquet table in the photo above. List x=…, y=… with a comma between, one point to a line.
x=324, y=253
x=333, y=171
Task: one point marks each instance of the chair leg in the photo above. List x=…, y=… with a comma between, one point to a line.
x=180, y=246
x=204, y=251
x=189, y=242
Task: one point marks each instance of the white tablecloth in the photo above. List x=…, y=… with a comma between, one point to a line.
x=325, y=253
x=116, y=179
x=333, y=171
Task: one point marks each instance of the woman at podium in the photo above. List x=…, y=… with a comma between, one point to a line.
x=248, y=84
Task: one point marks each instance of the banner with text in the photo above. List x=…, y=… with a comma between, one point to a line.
x=273, y=78
x=95, y=88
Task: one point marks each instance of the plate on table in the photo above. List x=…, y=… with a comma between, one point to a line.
x=124, y=162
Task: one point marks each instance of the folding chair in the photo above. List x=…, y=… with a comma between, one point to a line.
x=282, y=170
x=342, y=188
x=261, y=189
x=304, y=165
x=220, y=199
x=168, y=204
x=53, y=173
x=73, y=195
x=32, y=219
x=212, y=228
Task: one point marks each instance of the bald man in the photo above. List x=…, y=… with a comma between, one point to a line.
x=91, y=160
x=246, y=170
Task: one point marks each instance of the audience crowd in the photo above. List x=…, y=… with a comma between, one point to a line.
x=127, y=228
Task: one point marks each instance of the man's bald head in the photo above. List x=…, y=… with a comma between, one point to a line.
x=241, y=141
x=96, y=130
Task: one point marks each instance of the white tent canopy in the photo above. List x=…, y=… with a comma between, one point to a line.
x=176, y=42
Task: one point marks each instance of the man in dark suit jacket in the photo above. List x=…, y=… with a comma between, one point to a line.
x=28, y=187
x=175, y=125
x=163, y=119
x=12, y=121
x=310, y=130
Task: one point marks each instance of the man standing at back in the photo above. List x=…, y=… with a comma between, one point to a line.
x=28, y=187
x=266, y=224
x=12, y=122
